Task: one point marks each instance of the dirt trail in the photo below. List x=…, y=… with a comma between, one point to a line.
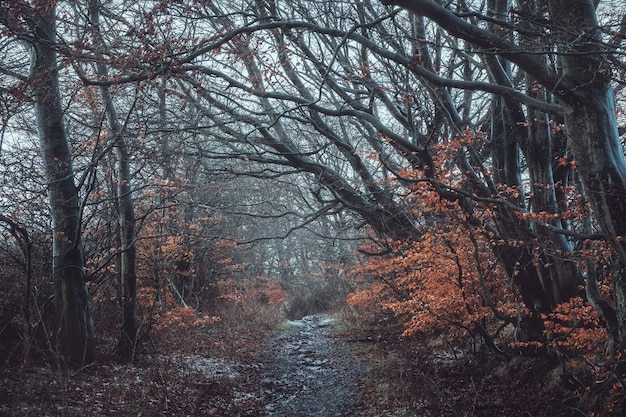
x=308, y=373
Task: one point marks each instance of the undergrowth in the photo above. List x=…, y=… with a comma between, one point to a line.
x=422, y=377
x=182, y=368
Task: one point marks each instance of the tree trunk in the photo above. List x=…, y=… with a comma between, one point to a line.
x=126, y=209
x=128, y=257
x=73, y=322
x=591, y=125
x=595, y=142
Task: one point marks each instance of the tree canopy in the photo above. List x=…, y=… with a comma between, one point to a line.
x=472, y=149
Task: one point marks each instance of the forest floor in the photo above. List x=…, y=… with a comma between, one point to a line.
x=300, y=369
x=316, y=366
x=307, y=373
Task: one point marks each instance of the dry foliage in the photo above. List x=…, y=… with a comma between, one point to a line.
x=447, y=288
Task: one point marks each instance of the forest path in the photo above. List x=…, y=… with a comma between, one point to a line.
x=308, y=373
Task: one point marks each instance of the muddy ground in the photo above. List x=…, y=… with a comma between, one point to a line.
x=308, y=373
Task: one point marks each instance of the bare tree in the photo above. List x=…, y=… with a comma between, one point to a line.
x=323, y=87
x=124, y=197
x=73, y=323
x=579, y=80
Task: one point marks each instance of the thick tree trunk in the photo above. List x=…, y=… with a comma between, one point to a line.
x=591, y=125
x=595, y=142
x=545, y=280
x=563, y=276
x=74, y=324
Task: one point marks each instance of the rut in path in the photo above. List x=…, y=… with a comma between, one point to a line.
x=308, y=373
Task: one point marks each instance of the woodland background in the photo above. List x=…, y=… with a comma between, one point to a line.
x=450, y=175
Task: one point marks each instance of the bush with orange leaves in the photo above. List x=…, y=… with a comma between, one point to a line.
x=442, y=283
x=573, y=327
x=161, y=311
x=449, y=282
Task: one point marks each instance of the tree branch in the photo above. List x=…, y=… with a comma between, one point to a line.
x=490, y=42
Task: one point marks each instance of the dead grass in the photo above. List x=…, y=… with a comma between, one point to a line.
x=198, y=372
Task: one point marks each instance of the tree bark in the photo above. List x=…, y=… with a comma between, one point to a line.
x=125, y=205
x=73, y=322
x=591, y=126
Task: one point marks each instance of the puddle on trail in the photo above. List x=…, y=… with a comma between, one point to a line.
x=308, y=373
